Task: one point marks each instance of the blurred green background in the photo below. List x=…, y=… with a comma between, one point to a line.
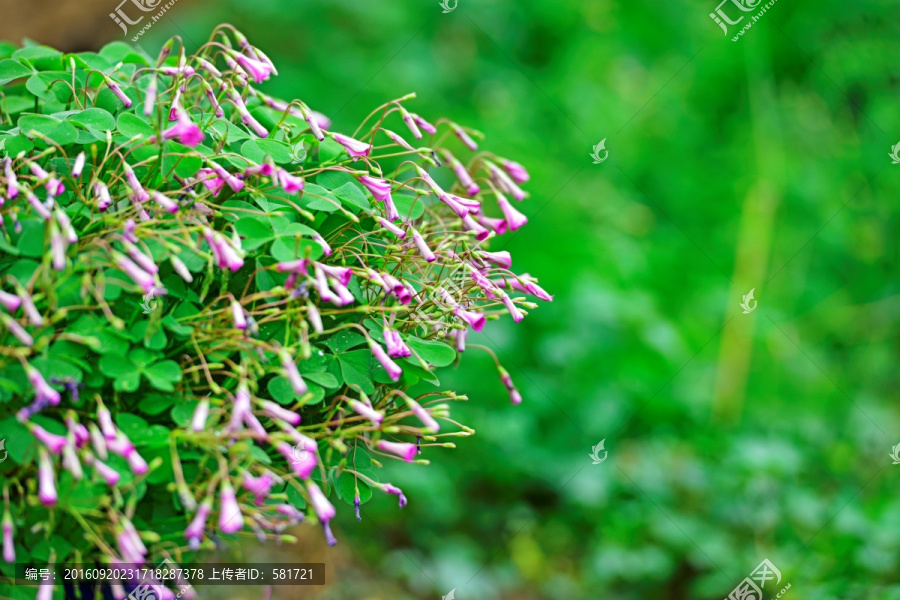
x=732, y=437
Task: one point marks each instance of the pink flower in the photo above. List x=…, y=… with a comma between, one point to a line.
x=424, y=250
x=465, y=179
x=323, y=508
x=405, y=451
x=410, y=122
x=303, y=462
x=143, y=279
x=53, y=442
x=257, y=69
x=514, y=311
x=42, y=390
x=423, y=415
x=390, y=366
x=17, y=330
x=342, y=274
x=515, y=170
x=498, y=226
x=194, y=532
x=140, y=194
x=289, y=183
x=185, y=131
x=230, y=518
x=392, y=489
x=10, y=302
x=501, y=259
x=46, y=479
x=71, y=463
x=293, y=375
x=481, y=232
x=277, y=412
x=475, y=320
x=354, y=147
x=12, y=184
x=115, y=89
x=103, y=200
x=233, y=182
x=392, y=228
x=165, y=203
x=514, y=218
x=237, y=315
x=364, y=410
x=503, y=181
x=380, y=188
x=258, y=486
x=144, y=261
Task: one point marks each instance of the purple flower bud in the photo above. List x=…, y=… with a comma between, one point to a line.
x=9, y=548
x=481, y=232
x=103, y=198
x=150, y=98
x=514, y=396
x=237, y=315
x=316, y=121
x=10, y=302
x=57, y=248
x=392, y=228
x=367, y=411
x=106, y=423
x=396, y=348
x=79, y=432
x=230, y=518
x=424, y=250
x=12, y=183
x=501, y=259
x=198, y=421
x=53, y=185
x=390, y=366
x=264, y=169
x=499, y=226
x=180, y=268
x=514, y=311
x=301, y=440
x=209, y=67
x=503, y=181
x=213, y=101
x=45, y=592
x=71, y=463
x=380, y=188
x=423, y=415
x=42, y=389
x=290, y=512
x=464, y=137
x=140, y=194
x=137, y=463
x=53, y=442
x=63, y=219
x=322, y=507
x=258, y=70
x=115, y=89
x=128, y=231
x=38, y=206
x=17, y=330
x=144, y=261
x=356, y=503
x=277, y=412
x=354, y=147
x=194, y=532
x=514, y=219
x=46, y=479
x=98, y=441
x=391, y=489
x=293, y=375
x=410, y=122
x=79, y=165
x=398, y=140
x=233, y=182
x=425, y=125
x=515, y=170
x=461, y=339
x=167, y=204
x=405, y=451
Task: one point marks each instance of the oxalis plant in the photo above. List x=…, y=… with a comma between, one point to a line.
x=212, y=305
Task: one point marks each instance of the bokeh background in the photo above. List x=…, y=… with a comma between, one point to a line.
x=731, y=437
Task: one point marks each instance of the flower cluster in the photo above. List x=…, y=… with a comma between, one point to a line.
x=295, y=282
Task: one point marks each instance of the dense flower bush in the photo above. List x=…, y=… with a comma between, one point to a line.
x=212, y=304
